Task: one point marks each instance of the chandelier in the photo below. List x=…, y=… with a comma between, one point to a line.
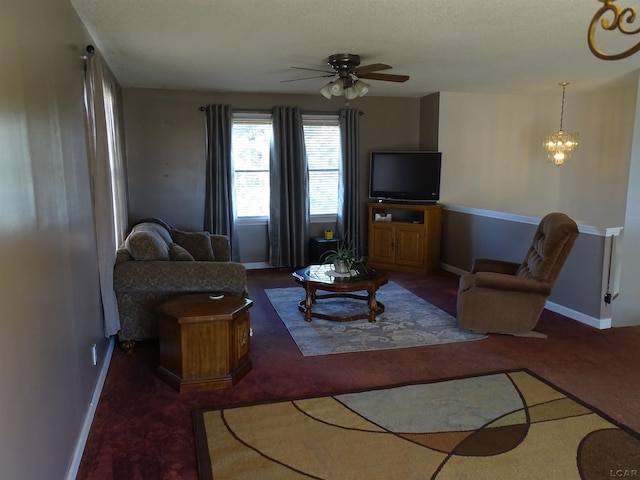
x=559, y=145
x=622, y=18
x=348, y=85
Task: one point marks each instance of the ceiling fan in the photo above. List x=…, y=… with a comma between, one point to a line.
x=346, y=67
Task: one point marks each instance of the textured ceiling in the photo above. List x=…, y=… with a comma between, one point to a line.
x=490, y=46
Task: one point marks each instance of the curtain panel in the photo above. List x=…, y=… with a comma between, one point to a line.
x=219, y=212
x=348, y=221
x=289, y=191
x=108, y=176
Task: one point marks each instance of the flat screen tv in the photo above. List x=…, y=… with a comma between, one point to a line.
x=405, y=176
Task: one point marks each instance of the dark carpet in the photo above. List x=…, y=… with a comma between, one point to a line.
x=143, y=428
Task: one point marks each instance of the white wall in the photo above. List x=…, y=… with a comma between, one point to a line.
x=51, y=313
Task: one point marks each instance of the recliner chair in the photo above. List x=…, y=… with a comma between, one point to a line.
x=506, y=297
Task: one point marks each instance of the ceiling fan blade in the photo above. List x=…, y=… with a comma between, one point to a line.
x=313, y=69
x=374, y=67
x=385, y=77
x=308, y=78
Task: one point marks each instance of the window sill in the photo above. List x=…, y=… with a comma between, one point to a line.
x=315, y=219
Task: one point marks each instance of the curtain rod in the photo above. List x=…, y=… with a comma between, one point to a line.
x=304, y=112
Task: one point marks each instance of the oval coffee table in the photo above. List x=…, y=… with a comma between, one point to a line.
x=318, y=277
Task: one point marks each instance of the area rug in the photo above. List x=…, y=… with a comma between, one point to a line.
x=408, y=321
x=505, y=425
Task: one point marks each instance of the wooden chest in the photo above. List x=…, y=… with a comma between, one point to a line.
x=204, y=341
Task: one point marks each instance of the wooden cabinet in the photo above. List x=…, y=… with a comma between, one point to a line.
x=404, y=236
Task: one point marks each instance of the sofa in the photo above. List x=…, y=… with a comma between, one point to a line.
x=157, y=262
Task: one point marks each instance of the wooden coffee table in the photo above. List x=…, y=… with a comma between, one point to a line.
x=316, y=277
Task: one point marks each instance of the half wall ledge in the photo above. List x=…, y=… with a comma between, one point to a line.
x=581, y=289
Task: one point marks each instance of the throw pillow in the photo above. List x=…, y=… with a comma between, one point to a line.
x=179, y=254
x=163, y=232
x=198, y=244
x=147, y=245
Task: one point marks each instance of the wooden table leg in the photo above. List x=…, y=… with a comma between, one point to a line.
x=309, y=300
x=373, y=304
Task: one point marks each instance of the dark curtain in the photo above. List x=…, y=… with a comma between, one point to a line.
x=218, y=208
x=348, y=223
x=289, y=186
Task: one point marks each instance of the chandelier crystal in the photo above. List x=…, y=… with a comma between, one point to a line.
x=559, y=145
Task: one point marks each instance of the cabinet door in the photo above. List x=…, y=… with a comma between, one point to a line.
x=410, y=240
x=381, y=243
x=243, y=338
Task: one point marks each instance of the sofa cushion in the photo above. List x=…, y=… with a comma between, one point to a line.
x=198, y=244
x=146, y=244
x=179, y=254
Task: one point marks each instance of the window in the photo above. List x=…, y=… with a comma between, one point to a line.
x=250, y=144
x=322, y=142
x=250, y=150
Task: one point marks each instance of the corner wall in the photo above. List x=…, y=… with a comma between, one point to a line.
x=493, y=160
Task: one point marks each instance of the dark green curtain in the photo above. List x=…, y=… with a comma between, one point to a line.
x=348, y=223
x=289, y=187
x=218, y=209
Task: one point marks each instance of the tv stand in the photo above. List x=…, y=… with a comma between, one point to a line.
x=407, y=202
x=404, y=236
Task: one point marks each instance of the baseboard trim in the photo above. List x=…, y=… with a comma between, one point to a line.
x=86, y=426
x=452, y=269
x=599, y=323
x=257, y=265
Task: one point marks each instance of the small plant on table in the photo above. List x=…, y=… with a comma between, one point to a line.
x=343, y=257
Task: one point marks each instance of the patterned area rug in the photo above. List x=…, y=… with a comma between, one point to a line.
x=408, y=321
x=503, y=425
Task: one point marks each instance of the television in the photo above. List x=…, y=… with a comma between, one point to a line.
x=405, y=176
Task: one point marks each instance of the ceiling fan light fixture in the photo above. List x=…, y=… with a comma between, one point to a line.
x=337, y=87
x=362, y=88
x=326, y=90
x=351, y=93
x=346, y=67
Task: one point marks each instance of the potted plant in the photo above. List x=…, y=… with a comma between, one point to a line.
x=343, y=257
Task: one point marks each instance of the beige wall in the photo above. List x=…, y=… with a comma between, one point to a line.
x=493, y=157
x=492, y=154
x=166, y=143
x=51, y=312
x=492, y=148
x=594, y=187
x=429, y=122
x=493, y=160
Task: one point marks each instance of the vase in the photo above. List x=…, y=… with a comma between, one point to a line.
x=342, y=266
